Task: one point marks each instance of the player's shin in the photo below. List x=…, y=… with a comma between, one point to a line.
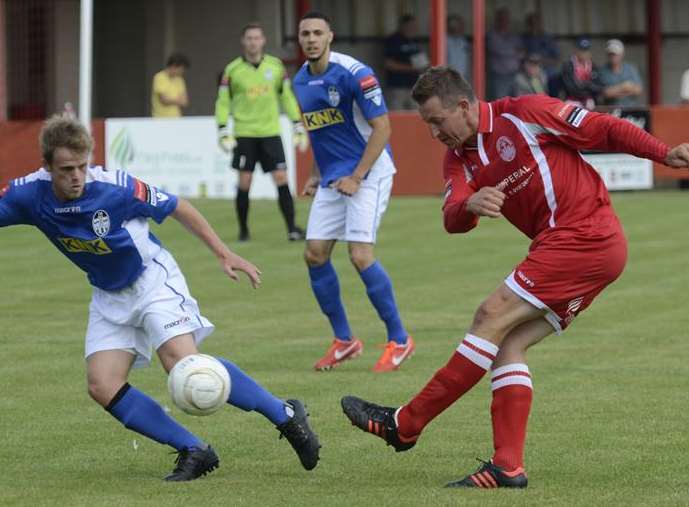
x=512, y=395
x=286, y=204
x=381, y=294
x=326, y=288
x=465, y=368
x=248, y=395
x=142, y=414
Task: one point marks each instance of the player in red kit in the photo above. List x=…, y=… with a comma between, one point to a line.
x=517, y=158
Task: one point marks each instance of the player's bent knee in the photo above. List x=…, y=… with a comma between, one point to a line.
x=361, y=259
x=102, y=391
x=314, y=257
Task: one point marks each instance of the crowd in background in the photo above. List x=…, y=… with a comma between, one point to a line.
x=517, y=64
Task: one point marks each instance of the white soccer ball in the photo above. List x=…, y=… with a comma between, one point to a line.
x=199, y=384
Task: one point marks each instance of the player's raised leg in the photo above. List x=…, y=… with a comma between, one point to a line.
x=107, y=372
x=326, y=288
x=499, y=314
x=400, y=346
x=512, y=394
x=289, y=417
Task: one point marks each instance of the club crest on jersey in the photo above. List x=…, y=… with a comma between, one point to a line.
x=333, y=96
x=101, y=223
x=506, y=148
x=268, y=74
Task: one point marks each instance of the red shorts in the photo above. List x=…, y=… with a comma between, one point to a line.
x=567, y=266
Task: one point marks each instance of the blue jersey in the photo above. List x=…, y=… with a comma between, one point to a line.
x=336, y=107
x=104, y=232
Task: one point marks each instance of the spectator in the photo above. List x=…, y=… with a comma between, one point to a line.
x=621, y=80
x=504, y=51
x=169, y=93
x=580, y=76
x=404, y=61
x=532, y=78
x=684, y=89
x=536, y=41
x=458, y=46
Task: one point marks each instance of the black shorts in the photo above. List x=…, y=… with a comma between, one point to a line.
x=266, y=150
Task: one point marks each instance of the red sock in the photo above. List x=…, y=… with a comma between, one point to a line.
x=512, y=394
x=464, y=369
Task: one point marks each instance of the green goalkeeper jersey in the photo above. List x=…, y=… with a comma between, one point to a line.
x=253, y=96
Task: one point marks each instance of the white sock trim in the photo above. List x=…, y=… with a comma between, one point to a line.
x=510, y=375
x=508, y=368
x=477, y=350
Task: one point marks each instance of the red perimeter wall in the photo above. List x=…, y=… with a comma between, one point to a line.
x=418, y=157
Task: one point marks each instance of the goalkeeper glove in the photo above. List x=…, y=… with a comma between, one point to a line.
x=300, y=136
x=226, y=140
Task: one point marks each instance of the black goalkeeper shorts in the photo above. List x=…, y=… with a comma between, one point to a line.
x=266, y=150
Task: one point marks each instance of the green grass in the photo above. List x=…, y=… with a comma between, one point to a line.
x=609, y=420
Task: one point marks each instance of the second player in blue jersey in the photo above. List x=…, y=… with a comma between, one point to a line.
x=344, y=111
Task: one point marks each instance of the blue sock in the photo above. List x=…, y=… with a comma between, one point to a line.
x=248, y=395
x=326, y=288
x=379, y=290
x=142, y=414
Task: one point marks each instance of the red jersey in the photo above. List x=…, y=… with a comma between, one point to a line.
x=528, y=148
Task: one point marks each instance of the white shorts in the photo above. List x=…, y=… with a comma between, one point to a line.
x=355, y=218
x=146, y=314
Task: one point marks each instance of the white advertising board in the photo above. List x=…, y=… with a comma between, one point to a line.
x=181, y=155
x=621, y=171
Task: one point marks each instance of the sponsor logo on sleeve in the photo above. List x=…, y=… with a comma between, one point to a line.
x=371, y=88
x=573, y=115
x=148, y=194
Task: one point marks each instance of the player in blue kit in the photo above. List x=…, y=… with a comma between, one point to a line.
x=344, y=111
x=140, y=301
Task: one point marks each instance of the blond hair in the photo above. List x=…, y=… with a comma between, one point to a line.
x=63, y=131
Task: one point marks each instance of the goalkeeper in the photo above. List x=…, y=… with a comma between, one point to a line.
x=252, y=89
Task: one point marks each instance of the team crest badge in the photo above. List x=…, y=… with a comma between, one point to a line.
x=506, y=149
x=333, y=96
x=268, y=74
x=101, y=223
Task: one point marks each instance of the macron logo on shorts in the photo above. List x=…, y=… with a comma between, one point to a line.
x=176, y=323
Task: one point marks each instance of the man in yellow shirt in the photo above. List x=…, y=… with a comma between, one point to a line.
x=169, y=94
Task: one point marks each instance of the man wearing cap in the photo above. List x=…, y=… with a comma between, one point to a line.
x=621, y=80
x=580, y=76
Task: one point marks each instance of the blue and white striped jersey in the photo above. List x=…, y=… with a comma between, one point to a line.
x=104, y=232
x=336, y=107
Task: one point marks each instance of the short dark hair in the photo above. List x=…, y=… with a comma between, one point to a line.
x=178, y=60
x=251, y=26
x=443, y=82
x=316, y=15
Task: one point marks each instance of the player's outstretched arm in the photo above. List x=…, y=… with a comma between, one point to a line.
x=194, y=221
x=678, y=156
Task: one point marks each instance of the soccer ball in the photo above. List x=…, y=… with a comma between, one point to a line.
x=199, y=384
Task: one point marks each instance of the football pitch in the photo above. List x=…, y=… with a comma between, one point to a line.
x=611, y=395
